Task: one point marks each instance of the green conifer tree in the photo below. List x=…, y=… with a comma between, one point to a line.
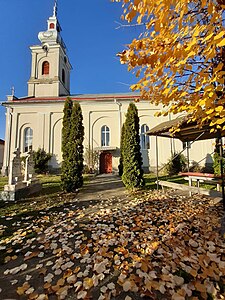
x=72, y=177
x=132, y=160
x=120, y=167
x=67, y=111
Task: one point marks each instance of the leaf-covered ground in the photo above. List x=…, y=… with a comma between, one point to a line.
x=147, y=246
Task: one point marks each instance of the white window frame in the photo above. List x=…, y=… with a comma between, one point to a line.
x=105, y=136
x=28, y=139
x=145, y=139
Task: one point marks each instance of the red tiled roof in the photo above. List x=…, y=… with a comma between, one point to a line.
x=2, y=142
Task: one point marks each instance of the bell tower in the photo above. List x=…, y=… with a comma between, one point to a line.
x=50, y=69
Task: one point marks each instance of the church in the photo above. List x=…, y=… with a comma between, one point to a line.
x=35, y=121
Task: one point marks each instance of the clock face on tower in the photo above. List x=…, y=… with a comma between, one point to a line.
x=47, y=34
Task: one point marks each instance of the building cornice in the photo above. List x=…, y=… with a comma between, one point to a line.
x=80, y=97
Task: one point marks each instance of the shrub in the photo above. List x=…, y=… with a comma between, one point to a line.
x=41, y=159
x=176, y=164
x=216, y=164
x=195, y=167
x=217, y=159
x=91, y=159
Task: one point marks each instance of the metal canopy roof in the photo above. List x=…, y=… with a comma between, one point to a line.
x=188, y=131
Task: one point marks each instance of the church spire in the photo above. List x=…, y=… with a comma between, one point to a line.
x=52, y=35
x=55, y=9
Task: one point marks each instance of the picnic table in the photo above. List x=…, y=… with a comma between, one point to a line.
x=202, y=177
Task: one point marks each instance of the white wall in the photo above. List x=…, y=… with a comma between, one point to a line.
x=45, y=118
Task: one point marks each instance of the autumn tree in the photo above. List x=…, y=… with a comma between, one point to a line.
x=179, y=57
x=132, y=176
x=72, y=177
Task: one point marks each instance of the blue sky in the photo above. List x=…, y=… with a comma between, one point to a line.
x=89, y=31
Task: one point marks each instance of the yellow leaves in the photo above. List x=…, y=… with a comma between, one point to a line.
x=183, y=51
x=130, y=16
x=144, y=266
x=221, y=43
x=138, y=73
x=22, y=289
x=208, y=37
x=88, y=283
x=219, y=35
x=219, y=108
x=31, y=255
x=219, y=121
x=127, y=286
x=200, y=287
x=210, y=8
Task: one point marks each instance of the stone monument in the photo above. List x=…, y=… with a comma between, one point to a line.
x=18, y=186
x=30, y=176
x=29, y=167
x=15, y=182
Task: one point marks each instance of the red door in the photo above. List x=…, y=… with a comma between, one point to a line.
x=105, y=162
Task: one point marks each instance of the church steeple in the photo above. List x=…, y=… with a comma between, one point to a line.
x=50, y=73
x=52, y=35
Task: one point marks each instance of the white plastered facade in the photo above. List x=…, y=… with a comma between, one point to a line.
x=44, y=117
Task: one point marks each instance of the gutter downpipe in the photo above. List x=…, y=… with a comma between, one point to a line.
x=119, y=111
x=221, y=168
x=157, y=162
x=188, y=157
x=10, y=138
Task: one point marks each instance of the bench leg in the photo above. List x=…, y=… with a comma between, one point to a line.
x=190, y=184
x=198, y=185
x=218, y=187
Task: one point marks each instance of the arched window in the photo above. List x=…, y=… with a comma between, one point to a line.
x=28, y=139
x=105, y=135
x=52, y=26
x=63, y=75
x=145, y=142
x=45, y=68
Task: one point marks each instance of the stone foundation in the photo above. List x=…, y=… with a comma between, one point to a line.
x=17, y=194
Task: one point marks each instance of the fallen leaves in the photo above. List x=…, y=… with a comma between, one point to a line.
x=155, y=244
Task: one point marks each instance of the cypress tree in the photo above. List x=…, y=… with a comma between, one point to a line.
x=72, y=177
x=132, y=160
x=67, y=111
x=120, y=167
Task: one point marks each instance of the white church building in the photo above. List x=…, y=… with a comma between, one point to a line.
x=35, y=121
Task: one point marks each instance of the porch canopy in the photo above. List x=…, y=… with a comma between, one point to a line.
x=188, y=132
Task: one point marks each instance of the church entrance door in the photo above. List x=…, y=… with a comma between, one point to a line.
x=105, y=162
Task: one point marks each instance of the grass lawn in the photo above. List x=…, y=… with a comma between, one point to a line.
x=3, y=181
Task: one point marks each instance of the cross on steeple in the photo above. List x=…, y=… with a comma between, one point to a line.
x=13, y=90
x=55, y=9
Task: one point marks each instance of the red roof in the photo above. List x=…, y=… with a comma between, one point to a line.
x=2, y=142
x=81, y=97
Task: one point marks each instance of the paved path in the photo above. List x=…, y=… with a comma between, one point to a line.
x=102, y=186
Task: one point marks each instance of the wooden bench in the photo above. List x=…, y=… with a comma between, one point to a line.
x=189, y=189
x=202, y=178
